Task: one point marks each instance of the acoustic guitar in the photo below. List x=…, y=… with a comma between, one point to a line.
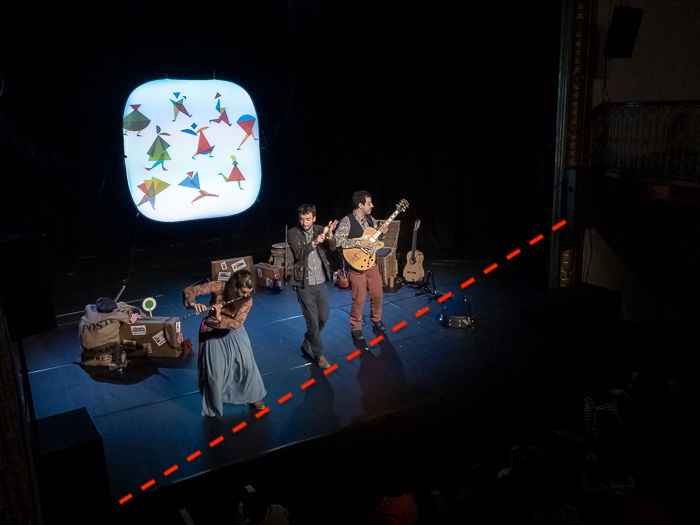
x=363, y=259
x=413, y=271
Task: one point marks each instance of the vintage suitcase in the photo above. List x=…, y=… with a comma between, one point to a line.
x=152, y=336
x=269, y=276
x=222, y=269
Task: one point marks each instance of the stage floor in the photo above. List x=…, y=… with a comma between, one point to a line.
x=154, y=405
x=149, y=415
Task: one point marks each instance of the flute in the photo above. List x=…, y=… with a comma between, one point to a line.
x=211, y=308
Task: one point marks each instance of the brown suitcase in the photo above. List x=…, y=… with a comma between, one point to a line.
x=269, y=276
x=222, y=269
x=152, y=336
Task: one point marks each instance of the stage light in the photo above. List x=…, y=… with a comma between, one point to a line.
x=191, y=149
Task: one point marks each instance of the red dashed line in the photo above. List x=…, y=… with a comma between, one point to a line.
x=148, y=484
x=170, y=470
x=284, y=398
x=421, y=311
x=490, y=268
x=399, y=326
x=306, y=385
x=445, y=297
x=536, y=239
x=260, y=414
x=351, y=356
x=239, y=426
x=468, y=282
x=376, y=340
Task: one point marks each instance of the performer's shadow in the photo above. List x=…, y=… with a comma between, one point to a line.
x=382, y=380
x=315, y=414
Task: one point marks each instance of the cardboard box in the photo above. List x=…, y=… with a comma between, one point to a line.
x=222, y=269
x=152, y=336
x=269, y=276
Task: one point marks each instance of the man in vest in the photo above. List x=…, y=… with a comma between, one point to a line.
x=349, y=235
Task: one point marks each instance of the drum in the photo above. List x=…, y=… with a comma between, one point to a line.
x=277, y=257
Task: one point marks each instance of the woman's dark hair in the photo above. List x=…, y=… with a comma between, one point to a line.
x=307, y=208
x=359, y=197
x=240, y=279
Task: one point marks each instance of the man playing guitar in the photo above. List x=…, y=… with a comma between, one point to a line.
x=348, y=235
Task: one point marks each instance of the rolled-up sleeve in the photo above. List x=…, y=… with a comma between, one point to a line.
x=192, y=292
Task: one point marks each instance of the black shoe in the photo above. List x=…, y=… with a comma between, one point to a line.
x=379, y=326
x=306, y=350
x=358, y=339
x=357, y=335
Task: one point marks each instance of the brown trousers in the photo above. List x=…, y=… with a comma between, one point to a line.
x=360, y=283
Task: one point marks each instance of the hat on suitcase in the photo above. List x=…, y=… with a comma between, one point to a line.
x=105, y=305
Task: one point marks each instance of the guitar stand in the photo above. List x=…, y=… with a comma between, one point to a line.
x=427, y=286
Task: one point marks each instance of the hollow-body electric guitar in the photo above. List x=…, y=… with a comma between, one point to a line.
x=363, y=259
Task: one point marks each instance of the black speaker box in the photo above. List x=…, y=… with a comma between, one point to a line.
x=72, y=473
x=622, y=32
x=456, y=313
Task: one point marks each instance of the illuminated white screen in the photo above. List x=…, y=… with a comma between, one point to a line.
x=191, y=149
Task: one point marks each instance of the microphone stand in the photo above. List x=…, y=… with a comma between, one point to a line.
x=121, y=291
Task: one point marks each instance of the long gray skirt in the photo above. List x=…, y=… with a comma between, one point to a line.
x=228, y=372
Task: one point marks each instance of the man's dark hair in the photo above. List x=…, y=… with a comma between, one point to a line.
x=307, y=208
x=359, y=197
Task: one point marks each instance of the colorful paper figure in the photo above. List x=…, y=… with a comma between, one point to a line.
x=151, y=188
x=178, y=106
x=223, y=116
x=235, y=174
x=203, y=194
x=246, y=122
x=159, y=150
x=191, y=181
x=135, y=121
x=203, y=146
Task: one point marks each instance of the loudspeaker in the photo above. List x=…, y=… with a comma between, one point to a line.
x=72, y=474
x=24, y=285
x=622, y=32
x=456, y=313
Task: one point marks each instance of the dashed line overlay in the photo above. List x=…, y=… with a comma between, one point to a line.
x=349, y=357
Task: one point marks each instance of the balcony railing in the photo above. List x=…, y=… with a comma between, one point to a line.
x=651, y=141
